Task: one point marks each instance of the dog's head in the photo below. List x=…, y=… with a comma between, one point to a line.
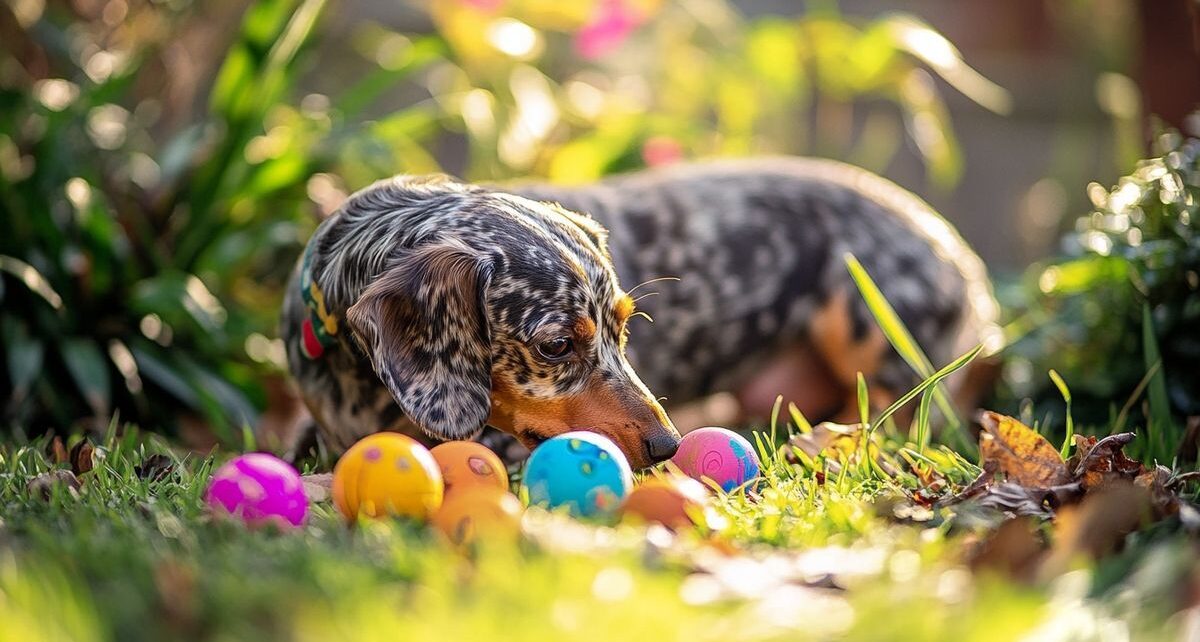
x=511, y=316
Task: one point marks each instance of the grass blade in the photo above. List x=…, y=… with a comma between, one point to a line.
x=798, y=418
x=897, y=334
x=864, y=409
x=1118, y=424
x=929, y=382
x=1065, y=451
x=1159, y=420
x=775, y=419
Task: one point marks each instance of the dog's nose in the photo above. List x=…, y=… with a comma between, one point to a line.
x=662, y=447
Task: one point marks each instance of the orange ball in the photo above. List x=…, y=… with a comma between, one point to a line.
x=669, y=501
x=469, y=463
x=387, y=474
x=475, y=512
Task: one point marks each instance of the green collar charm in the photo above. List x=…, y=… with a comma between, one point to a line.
x=320, y=327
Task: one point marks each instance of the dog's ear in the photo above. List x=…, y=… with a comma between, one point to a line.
x=423, y=324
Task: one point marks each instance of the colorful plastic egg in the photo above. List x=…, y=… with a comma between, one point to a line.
x=671, y=501
x=583, y=471
x=387, y=474
x=477, y=512
x=719, y=454
x=469, y=463
x=259, y=489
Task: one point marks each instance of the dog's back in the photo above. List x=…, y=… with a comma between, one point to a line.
x=758, y=247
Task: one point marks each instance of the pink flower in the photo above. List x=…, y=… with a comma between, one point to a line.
x=487, y=6
x=610, y=25
x=661, y=150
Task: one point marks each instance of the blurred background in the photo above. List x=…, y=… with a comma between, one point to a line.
x=163, y=162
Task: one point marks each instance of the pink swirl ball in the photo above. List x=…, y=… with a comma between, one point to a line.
x=259, y=489
x=719, y=454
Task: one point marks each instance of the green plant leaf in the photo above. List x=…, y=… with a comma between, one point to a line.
x=32, y=279
x=89, y=368
x=25, y=355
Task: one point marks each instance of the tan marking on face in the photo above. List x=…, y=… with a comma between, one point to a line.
x=584, y=328
x=617, y=411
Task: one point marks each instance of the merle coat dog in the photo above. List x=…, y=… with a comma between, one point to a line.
x=436, y=308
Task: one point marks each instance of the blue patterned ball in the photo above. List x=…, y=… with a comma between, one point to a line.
x=583, y=471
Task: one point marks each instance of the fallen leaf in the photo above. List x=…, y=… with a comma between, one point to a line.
x=1020, y=454
x=1021, y=500
x=840, y=438
x=837, y=443
x=1098, y=526
x=79, y=457
x=1097, y=462
x=154, y=468
x=980, y=484
x=58, y=451
x=43, y=485
x=1015, y=549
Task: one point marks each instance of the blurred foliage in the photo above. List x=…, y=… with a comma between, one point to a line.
x=158, y=176
x=586, y=89
x=144, y=268
x=1119, y=318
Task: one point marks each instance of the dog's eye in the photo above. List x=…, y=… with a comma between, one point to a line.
x=555, y=348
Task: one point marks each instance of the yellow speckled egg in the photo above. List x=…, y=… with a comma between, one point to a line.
x=469, y=463
x=479, y=512
x=387, y=474
x=670, y=501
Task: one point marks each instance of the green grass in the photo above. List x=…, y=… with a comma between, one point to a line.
x=817, y=549
x=135, y=559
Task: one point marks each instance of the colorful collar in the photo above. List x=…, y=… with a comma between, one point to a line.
x=319, y=327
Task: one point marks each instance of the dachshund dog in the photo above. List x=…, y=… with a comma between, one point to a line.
x=436, y=308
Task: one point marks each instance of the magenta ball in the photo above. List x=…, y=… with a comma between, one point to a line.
x=719, y=454
x=259, y=489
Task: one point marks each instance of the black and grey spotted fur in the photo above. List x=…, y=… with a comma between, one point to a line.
x=472, y=275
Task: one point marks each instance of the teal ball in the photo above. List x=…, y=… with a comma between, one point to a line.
x=583, y=471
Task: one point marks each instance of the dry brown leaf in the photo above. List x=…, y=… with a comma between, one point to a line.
x=43, y=485
x=79, y=456
x=838, y=437
x=58, y=451
x=838, y=443
x=1097, y=462
x=155, y=468
x=1014, y=549
x=1098, y=526
x=1020, y=454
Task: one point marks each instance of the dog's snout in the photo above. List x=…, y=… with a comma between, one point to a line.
x=662, y=447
